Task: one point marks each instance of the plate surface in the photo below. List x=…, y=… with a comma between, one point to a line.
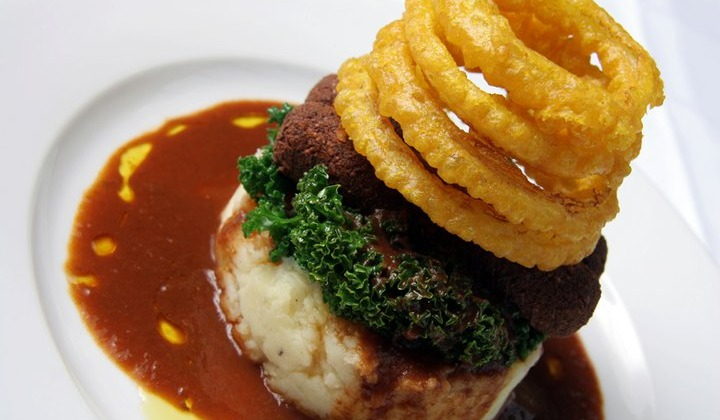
x=99, y=77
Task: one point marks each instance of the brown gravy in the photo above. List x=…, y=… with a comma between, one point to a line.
x=142, y=275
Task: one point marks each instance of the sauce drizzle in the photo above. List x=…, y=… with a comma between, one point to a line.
x=141, y=272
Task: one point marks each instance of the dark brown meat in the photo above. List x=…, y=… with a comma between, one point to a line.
x=324, y=90
x=556, y=302
x=312, y=135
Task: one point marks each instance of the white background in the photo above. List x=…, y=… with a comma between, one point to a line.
x=56, y=57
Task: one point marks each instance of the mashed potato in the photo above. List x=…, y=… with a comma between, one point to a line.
x=326, y=366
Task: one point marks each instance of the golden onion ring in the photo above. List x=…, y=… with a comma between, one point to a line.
x=458, y=159
x=535, y=177
x=488, y=114
x=572, y=110
x=397, y=165
x=634, y=78
x=553, y=42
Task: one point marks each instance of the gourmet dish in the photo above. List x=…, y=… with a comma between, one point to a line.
x=415, y=230
x=478, y=242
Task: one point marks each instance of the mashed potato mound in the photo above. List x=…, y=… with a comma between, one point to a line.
x=326, y=366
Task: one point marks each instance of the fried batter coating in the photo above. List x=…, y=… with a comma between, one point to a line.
x=556, y=302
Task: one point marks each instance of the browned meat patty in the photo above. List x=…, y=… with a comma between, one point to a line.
x=556, y=302
x=324, y=90
x=312, y=135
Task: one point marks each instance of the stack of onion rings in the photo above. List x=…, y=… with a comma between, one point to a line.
x=534, y=178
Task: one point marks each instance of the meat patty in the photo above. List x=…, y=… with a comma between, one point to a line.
x=312, y=135
x=324, y=90
x=556, y=302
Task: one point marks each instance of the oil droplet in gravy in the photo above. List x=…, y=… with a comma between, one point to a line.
x=175, y=130
x=85, y=281
x=129, y=162
x=103, y=245
x=156, y=408
x=250, y=121
x=171, y=332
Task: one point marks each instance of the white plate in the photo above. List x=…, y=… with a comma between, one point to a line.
x=91, y=77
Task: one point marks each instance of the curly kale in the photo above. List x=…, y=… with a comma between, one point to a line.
x=276, y=115
x=417, y=301
x=263, y=181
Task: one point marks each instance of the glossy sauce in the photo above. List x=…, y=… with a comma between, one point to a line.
x=141, y=272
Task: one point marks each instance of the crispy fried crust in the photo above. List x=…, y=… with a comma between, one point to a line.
x=556, y=302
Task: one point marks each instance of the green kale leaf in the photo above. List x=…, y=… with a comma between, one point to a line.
x=263, y=181
x=276, y=115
